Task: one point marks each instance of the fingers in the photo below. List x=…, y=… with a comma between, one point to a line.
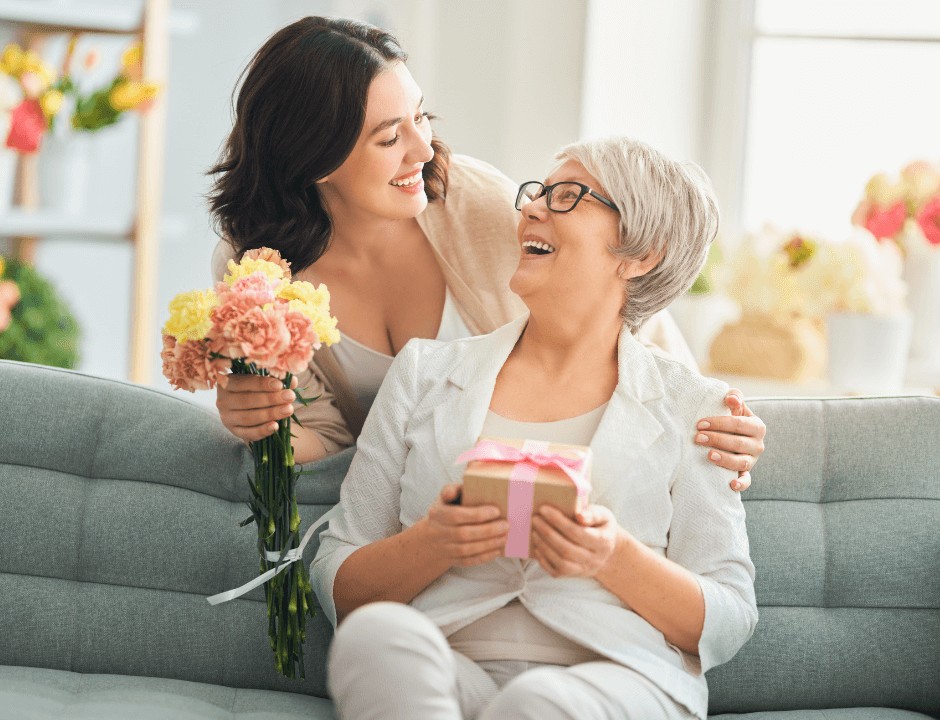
x=468, y=554
x=245, y=399
x=742, y=483
x=555, y=554
x=735, y=401
x=748, y=426
x=731, y=461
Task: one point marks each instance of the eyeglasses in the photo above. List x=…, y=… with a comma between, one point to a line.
x=561, y=197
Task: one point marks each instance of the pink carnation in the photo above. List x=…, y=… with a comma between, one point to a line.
x=189, y=365
x=9, y=297
x=259, y=336
x=256, y=286
x=303, y=342
x=929, y=220
x=886, y=222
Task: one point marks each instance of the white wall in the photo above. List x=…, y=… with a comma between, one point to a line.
x=643, y=73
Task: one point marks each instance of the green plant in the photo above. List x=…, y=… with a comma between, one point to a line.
x=705, y=282
x=42, y=329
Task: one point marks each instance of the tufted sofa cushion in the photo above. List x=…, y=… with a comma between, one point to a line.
x=844, y=524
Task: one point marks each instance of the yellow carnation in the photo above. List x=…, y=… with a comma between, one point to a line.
x=189, y=315
x=314, y=302
x=51, y=102
x=324, y=324
x=130, y=95
x=236, y=271
x=302, y=290
x=11, y=62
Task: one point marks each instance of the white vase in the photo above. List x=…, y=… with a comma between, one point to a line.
x=64, y=172
x=922, y=275
x=868, y=353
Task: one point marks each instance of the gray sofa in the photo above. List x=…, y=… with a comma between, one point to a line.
x=119, y=511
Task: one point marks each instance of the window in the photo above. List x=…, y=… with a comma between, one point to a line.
x=837, y=92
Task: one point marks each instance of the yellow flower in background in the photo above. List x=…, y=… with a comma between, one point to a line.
x=51, y=102
x=132, y=57
x=3, y=266
x=190, y=315
x=131, y=94
x=236, y=271
x=882, y=190
x=12, y=60
x=32, y=63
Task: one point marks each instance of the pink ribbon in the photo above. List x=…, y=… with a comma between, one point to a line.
x=526, y=460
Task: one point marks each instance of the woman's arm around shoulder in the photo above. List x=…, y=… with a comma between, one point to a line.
x=708, y=537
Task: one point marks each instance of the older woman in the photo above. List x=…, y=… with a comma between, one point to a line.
x=617, y=614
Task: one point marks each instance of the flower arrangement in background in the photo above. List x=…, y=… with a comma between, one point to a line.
x=789, y=275
x=258, y=322
x=31, y=97
x=36, y=325
x=106, y=105
x=905, y=209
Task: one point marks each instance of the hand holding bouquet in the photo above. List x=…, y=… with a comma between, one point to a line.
x=258, y=322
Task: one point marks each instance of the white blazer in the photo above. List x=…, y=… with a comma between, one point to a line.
x=646, y=470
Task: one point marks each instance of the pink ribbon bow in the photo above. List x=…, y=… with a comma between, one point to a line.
x=526, y=461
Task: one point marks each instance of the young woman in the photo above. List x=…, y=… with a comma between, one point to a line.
x=332, y=162
x=619, y=612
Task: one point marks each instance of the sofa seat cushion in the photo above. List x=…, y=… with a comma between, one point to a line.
x=828, y=714
x=40, y=694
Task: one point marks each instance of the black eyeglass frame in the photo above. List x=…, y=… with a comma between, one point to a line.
x=547, y=190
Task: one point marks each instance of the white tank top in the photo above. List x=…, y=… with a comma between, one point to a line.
x=365, y=368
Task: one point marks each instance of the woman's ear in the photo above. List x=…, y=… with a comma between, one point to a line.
x=322, y=180
x=631, y=267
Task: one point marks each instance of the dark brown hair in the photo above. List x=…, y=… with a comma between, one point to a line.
x=299, y=112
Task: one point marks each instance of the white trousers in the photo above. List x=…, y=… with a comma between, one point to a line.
x=390, y=661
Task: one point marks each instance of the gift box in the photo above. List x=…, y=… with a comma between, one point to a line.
x=519, y=476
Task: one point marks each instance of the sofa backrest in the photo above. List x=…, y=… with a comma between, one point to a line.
x=120, y=508
x=844, y=524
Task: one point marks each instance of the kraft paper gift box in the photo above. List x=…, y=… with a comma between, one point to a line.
x=519, y=476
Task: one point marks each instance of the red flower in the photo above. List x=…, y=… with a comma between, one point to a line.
x=929, y=220
x=27, y=125
x=886, y=222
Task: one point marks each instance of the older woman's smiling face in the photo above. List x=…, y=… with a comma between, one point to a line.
x=579, y=266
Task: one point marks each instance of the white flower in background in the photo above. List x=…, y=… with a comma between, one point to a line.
x=792, y=274
x=862, y=275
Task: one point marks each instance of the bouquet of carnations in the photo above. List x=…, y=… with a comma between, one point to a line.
x=258, y=322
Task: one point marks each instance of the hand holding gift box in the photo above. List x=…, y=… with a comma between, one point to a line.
x=519, y=476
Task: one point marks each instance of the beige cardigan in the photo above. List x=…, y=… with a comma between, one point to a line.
x=473, y=234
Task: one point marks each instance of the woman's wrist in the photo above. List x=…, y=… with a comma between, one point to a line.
x=619, y=561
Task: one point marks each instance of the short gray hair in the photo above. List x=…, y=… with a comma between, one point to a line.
x=665, y=206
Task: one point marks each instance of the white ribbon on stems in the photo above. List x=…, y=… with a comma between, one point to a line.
x=291, y=556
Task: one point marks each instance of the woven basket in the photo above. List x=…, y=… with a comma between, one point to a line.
x=764, y=346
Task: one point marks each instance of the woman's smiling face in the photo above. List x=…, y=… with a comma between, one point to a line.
x=382, y=175
x=579, y=265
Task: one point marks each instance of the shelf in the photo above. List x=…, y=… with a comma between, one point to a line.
x=89, y=16
x=25, y=223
